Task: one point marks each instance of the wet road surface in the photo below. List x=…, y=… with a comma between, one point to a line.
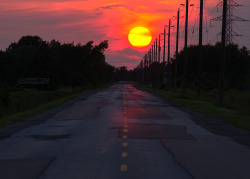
x=119, y=133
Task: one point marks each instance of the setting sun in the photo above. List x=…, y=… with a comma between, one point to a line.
x=139, y=37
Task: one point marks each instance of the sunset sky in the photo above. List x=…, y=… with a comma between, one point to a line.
x=80, y=21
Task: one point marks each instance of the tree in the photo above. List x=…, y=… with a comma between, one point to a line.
x=64, y=64
x=30, y=41
x=237, y=66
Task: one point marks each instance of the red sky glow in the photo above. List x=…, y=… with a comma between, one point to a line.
x=84, y=20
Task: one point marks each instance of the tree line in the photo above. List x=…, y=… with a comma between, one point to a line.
x=32, y=63
x=35, y=63
x=237, y=67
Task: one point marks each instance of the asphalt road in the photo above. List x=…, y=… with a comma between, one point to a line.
x=119, y=133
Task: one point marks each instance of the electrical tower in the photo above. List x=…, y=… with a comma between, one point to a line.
x=230, y=18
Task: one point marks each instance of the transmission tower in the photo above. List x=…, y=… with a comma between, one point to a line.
x=230, y=33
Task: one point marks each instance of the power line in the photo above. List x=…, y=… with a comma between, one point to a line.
x=230, y=18
x=243, y=33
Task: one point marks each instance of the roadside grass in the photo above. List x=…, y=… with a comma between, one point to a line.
x=25, y=104
x=234, y=110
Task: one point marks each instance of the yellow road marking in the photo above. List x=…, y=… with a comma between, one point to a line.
x=124, y=168
x=124, y=144
x=124, y=154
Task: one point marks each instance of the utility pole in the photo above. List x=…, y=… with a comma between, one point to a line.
x=230, y=19
x=146, y=68
x=149, y=66
x=152, y=54
x=200, y=48
x=159, y=49
x=185, y=51
x=141, y=71
x=223, y=50
x=164, y=48
x=149, y=56
x=169, y=27
x=156, y=50
x=177, y=49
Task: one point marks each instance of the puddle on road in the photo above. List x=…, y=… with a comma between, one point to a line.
x=157, y=131
x=133, y=97
x=50, y=137
x=59, y=126
x=145, y=112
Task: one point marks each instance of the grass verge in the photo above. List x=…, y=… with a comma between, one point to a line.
x=234, y=110
x=33, y=103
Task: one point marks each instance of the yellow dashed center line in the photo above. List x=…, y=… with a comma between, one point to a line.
x=124, y=168
x=124, y=144
x=124, y=154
